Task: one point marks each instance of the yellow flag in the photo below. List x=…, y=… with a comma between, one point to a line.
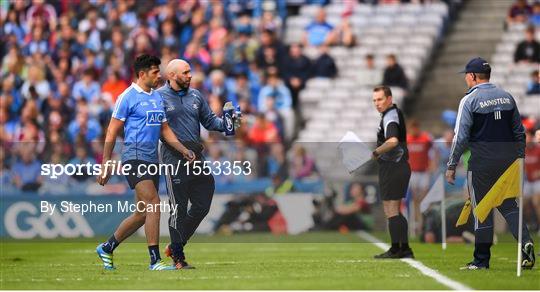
x=465, y=212
x=507, y=186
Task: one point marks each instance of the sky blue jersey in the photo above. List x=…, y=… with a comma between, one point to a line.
x=142, y=114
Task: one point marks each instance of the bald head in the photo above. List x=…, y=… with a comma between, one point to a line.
x=179, y=74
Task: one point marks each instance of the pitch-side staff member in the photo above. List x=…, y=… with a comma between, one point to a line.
x=489, y=124
x=186, y=110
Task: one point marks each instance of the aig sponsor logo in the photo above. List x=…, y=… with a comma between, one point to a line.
x=154, y=118
x=23, y=220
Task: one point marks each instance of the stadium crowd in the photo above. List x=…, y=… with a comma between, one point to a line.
x=65, y=62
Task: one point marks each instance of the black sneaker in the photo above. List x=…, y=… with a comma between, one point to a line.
x=528, y=257
x=179, y=263
x=389, y=254
x=406, y=254
x=474, y=266
x=183, y=265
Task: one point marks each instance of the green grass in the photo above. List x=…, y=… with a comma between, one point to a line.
x=309, y=261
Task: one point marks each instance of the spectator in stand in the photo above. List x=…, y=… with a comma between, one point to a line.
x=394, y=75
x=303, y=166
x=93, y=26
x=276, y=163
x=319, y=32
x=41, y=12
x=275, y=89
x=84, y=126
x=87, y=88
x=13, y=26
x=344, y=33
x=169, y=37
x=296, y=70
x=269, y=21
x=37, y=42
x=266, y=57
x=27, y=171
x=196, y=53
x=419, y=144
x=535, y=17
x=348, y=215
x=113, y=87
x=519, y=12
x=263, y=132
x=217, y=88
x=82, y=157
x=36, y=84
x=528, y=51
x=273, y=116
x=533, y=87
x=324, y=66
x=531, y=187
x=241, y=89
x=371, y=75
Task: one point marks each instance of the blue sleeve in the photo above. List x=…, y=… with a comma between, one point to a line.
x=461, y=133
x=121, y=108
x=208, y=119
x=287, y=98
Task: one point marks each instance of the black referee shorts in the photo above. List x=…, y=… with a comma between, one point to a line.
x=393, y=179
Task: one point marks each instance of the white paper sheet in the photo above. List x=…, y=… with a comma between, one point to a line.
x=354, y=152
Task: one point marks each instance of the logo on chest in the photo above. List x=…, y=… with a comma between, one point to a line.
x=195, y=106
x=154, y=118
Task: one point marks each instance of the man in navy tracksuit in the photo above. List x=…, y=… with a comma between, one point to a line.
x=186, y=110
x=489, y=124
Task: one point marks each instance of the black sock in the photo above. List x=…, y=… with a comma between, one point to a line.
x=154, y=254
x=404, y=232
x=110, y=244
x=393, y=227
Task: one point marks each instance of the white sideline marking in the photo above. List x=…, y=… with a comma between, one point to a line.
x=417, y=265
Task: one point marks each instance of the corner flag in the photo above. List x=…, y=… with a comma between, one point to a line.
x=507, y=186
x=435, y=194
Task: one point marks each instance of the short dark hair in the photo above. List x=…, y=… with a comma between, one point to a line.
x=144, y=63
x=483, y=76
x=534, y=73
x=387, y=91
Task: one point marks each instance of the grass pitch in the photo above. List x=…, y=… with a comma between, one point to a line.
x=308, y=261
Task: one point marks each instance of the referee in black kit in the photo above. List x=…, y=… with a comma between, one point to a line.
x=394, y=171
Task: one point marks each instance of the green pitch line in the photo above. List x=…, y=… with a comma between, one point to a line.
x=247, y=262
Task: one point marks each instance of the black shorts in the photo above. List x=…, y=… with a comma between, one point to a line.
x=393, y=179
x=133, y=177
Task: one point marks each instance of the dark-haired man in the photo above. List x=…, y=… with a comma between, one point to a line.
x=489, y=124
x=394, y=171
x=139, y=111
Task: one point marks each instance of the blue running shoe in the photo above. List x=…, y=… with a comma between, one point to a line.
x=161, y=266
x=106, y=258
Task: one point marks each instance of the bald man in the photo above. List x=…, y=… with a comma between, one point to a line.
x=186, y=110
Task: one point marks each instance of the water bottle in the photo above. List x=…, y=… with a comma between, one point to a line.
x=228, y=118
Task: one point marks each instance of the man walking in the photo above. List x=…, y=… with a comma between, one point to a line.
x=394, y=170
x=489, y=124
x=186, y=110
x=139, y=111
